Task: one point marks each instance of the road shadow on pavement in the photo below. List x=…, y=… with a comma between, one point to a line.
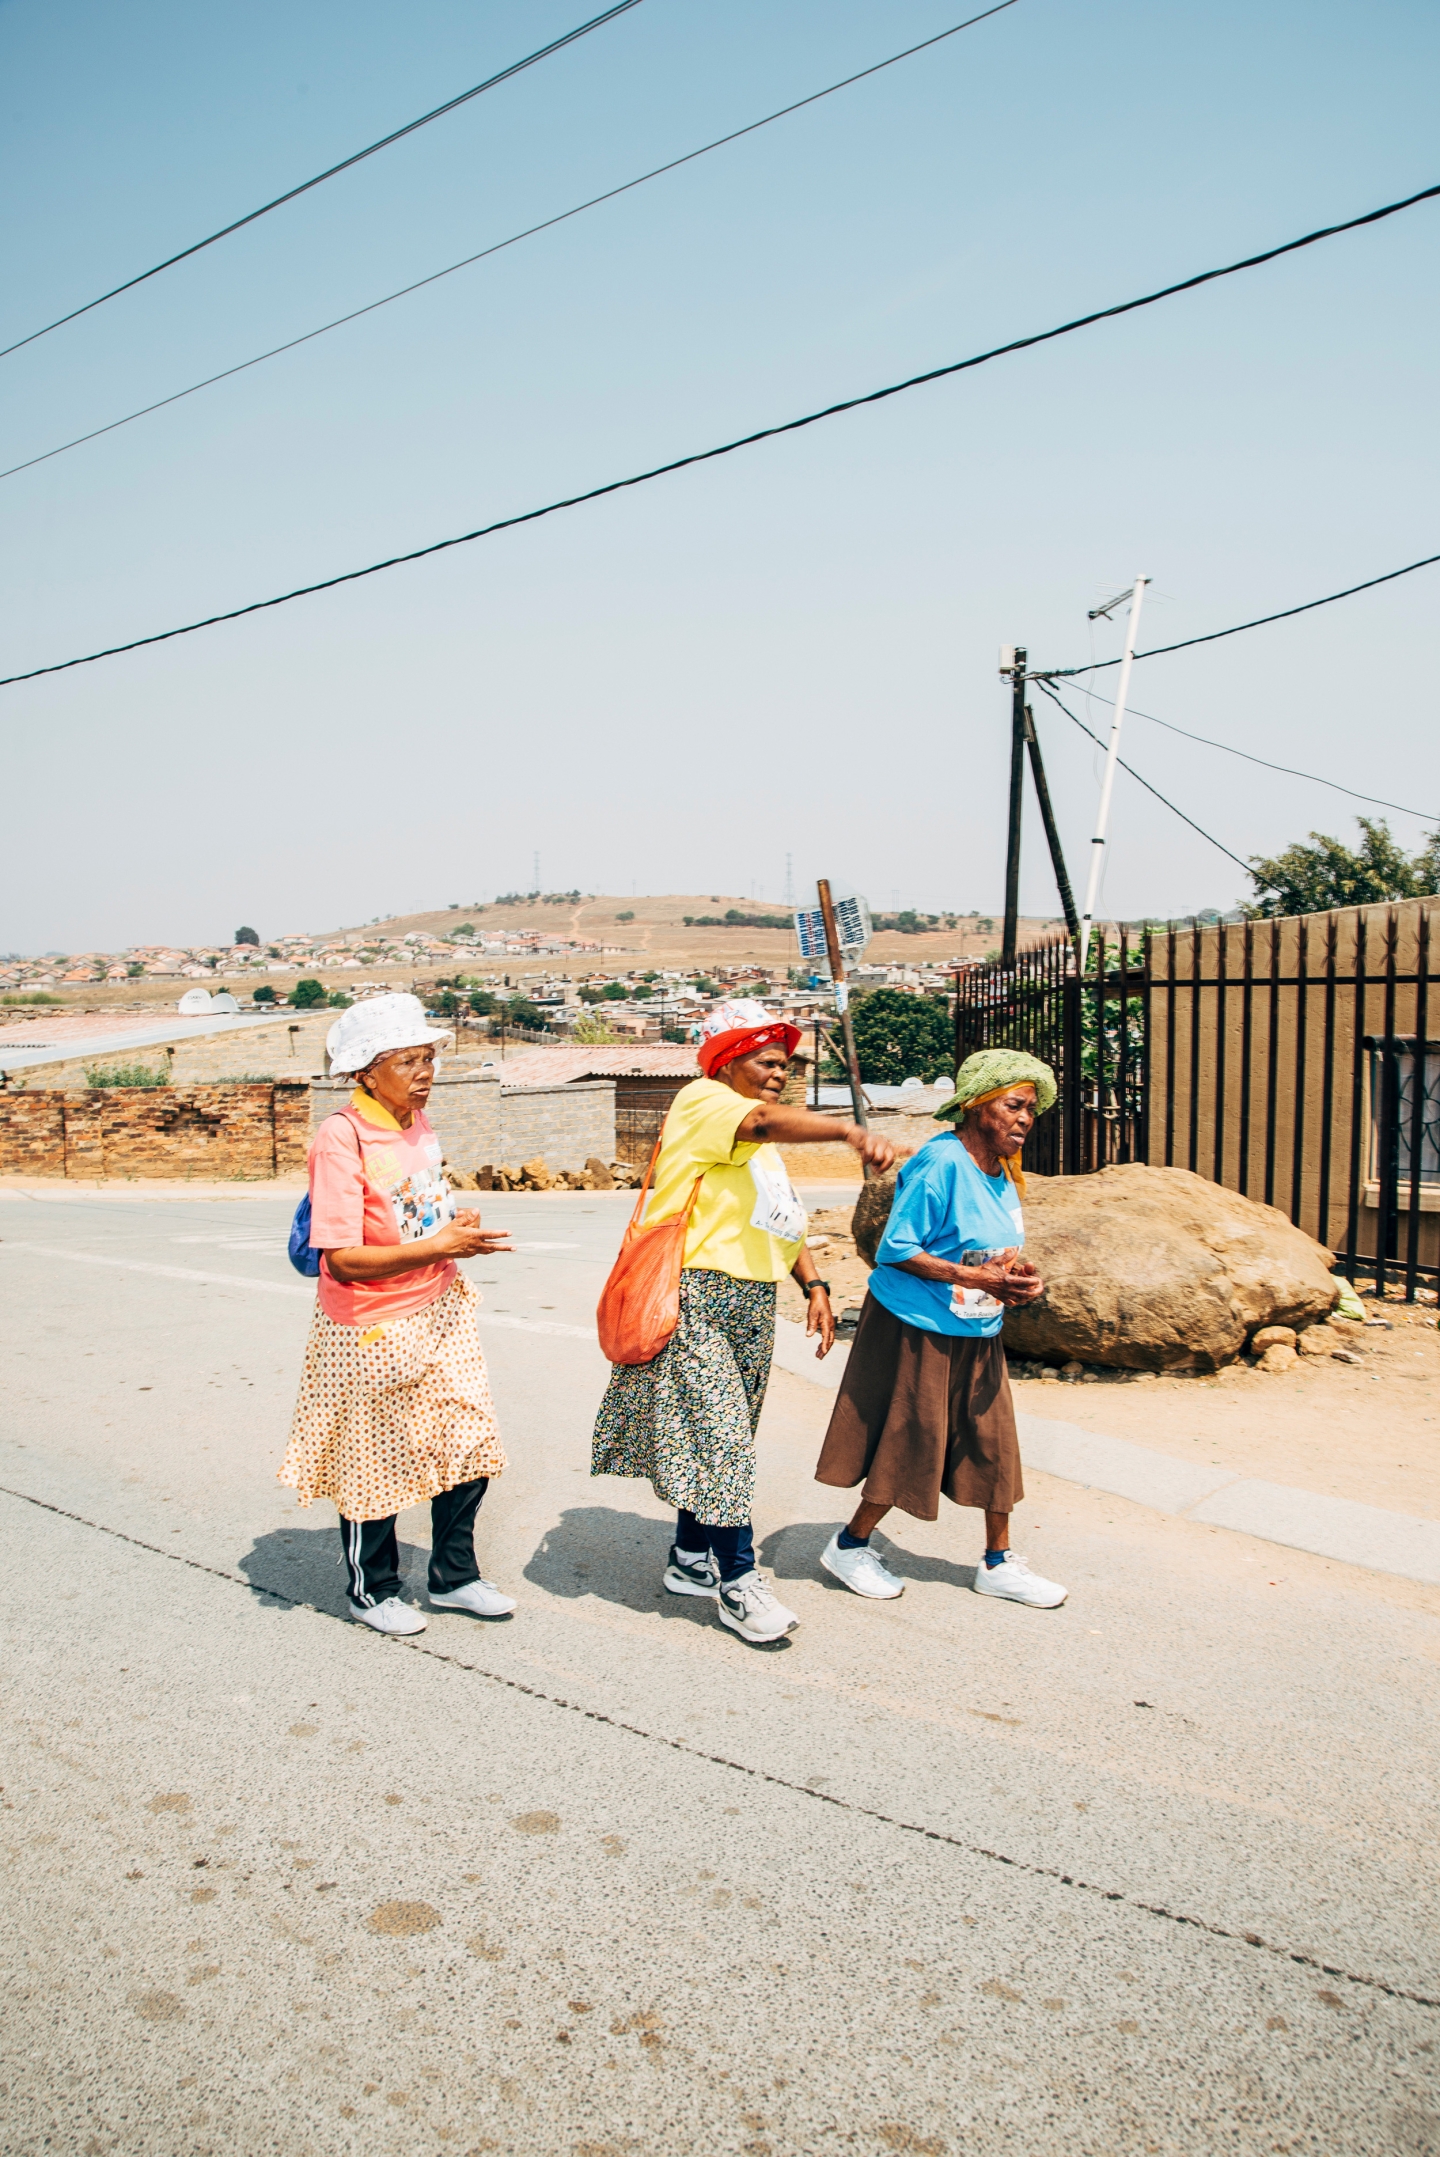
x=599, y=1550
x=793, y=1553
x=305, y=1566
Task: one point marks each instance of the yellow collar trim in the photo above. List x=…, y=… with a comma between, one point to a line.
x=373, y=1111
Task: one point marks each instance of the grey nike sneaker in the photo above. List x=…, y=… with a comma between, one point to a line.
x=687, y=1574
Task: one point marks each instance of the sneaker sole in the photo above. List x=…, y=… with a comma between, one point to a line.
x=887, y=1595
x=1025, y=1602
x=753, y=1640
x=385, y=1632
x=468, y=1610
x=679, y=1585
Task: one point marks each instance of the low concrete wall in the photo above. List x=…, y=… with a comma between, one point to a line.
x=482, y=1124
x=209, y=1132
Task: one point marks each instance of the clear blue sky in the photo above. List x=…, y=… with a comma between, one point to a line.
x=793, y=650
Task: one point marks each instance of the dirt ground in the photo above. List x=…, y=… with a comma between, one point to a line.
x=1368, y=1431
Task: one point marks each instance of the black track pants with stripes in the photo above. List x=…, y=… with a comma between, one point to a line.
x=372, y=1555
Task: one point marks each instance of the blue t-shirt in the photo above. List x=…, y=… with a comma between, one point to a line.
x=945, y=1205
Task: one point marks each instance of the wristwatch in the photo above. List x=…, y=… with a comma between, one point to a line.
x=817, y=1283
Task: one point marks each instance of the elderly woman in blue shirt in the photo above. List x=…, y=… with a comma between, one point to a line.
x=925, y=1403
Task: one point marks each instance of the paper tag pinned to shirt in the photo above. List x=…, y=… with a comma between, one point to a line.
x=778, y=1211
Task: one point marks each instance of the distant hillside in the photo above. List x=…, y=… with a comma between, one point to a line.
x=653, y=927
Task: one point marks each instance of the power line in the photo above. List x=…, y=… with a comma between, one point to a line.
x=517, y=67
x=513, y=241
x=1289, y=770
x=1158, y=651
x=726, y=449
x=1041, y=683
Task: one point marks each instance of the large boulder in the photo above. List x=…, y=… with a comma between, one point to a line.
x=1150, y=1269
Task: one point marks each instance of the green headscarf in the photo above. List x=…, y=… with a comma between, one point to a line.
x=991, y=1071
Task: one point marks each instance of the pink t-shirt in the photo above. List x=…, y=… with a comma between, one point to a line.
x=372, y=1182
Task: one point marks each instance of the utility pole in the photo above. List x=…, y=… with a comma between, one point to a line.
x=1052, y=835
x=1013, y=659
x=1112, y=755
x=842, y=1004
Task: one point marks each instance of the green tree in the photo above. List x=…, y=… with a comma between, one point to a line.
x=643, y=992
x=592, y=1032
x=338, y=1000
x=307, y=995
x=590, y=994
x=264, y=994
x=899, y=1036
x=482, y=1002
x=247, y=936
x=521, y=1012
x=1312, y=879
x=615, y=992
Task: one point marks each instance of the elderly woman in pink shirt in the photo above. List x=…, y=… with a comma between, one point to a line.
x=394, y=1402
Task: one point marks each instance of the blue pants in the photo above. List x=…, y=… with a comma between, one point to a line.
x=733, y=1549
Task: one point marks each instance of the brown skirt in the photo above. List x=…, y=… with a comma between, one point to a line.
x=919, y=1413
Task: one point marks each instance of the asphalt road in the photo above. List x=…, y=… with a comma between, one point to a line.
x=1152, y=1873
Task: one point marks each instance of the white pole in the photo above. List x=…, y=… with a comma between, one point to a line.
x=1112, y=757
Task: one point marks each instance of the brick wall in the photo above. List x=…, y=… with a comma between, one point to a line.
x=210, y=1132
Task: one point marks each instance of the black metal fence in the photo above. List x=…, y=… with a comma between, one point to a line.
x=1293, y=1061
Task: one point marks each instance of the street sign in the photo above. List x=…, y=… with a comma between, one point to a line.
x=852, y=923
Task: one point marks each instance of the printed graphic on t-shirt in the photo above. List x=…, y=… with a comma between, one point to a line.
x=778, y=1211
x=421, y=1201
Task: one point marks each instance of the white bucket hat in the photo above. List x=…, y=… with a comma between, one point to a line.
x=376, y=1026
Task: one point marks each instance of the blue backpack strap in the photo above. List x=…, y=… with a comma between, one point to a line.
x=305, y=1260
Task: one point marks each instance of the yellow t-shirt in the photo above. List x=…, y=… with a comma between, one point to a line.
x=748, y=1221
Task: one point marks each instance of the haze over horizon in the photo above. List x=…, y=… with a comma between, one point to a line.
x=794, y=650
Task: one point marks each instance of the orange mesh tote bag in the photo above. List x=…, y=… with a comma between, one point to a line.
x=639, y=1305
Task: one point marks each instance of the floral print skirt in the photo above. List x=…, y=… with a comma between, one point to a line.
x=393, y=1414
x=687, y=1421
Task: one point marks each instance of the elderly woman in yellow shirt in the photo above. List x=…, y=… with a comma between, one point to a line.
x=687, y=1420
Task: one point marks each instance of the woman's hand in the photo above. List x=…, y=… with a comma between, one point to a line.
x=465, y=1238
x=1009, y=1278
x=461, y=1238
x=819, y=1318
x=877, y=1153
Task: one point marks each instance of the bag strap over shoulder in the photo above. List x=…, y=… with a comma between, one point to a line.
x=690, y=1203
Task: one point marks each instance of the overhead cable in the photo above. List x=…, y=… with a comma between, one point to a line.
x=1158, y=651
x=1042, y=683
x=1289, y=770
x=398, y=134
x=514, y=240
x=726, y=449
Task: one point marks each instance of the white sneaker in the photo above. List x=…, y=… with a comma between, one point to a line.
x=861, y=1571
x=688, y=1575
x=747, y=1606
x=480, y=1597
x=391, y=1616
x=1013, y=1579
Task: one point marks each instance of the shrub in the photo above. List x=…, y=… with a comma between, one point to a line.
x=264, y=994
x=36, y=996
x=339, y=1001
x=125, y=1075
x=628, y=915
x=592, y=1032
x=307, y=995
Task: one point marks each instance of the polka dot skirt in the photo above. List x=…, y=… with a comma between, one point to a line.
x=391, y=1415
